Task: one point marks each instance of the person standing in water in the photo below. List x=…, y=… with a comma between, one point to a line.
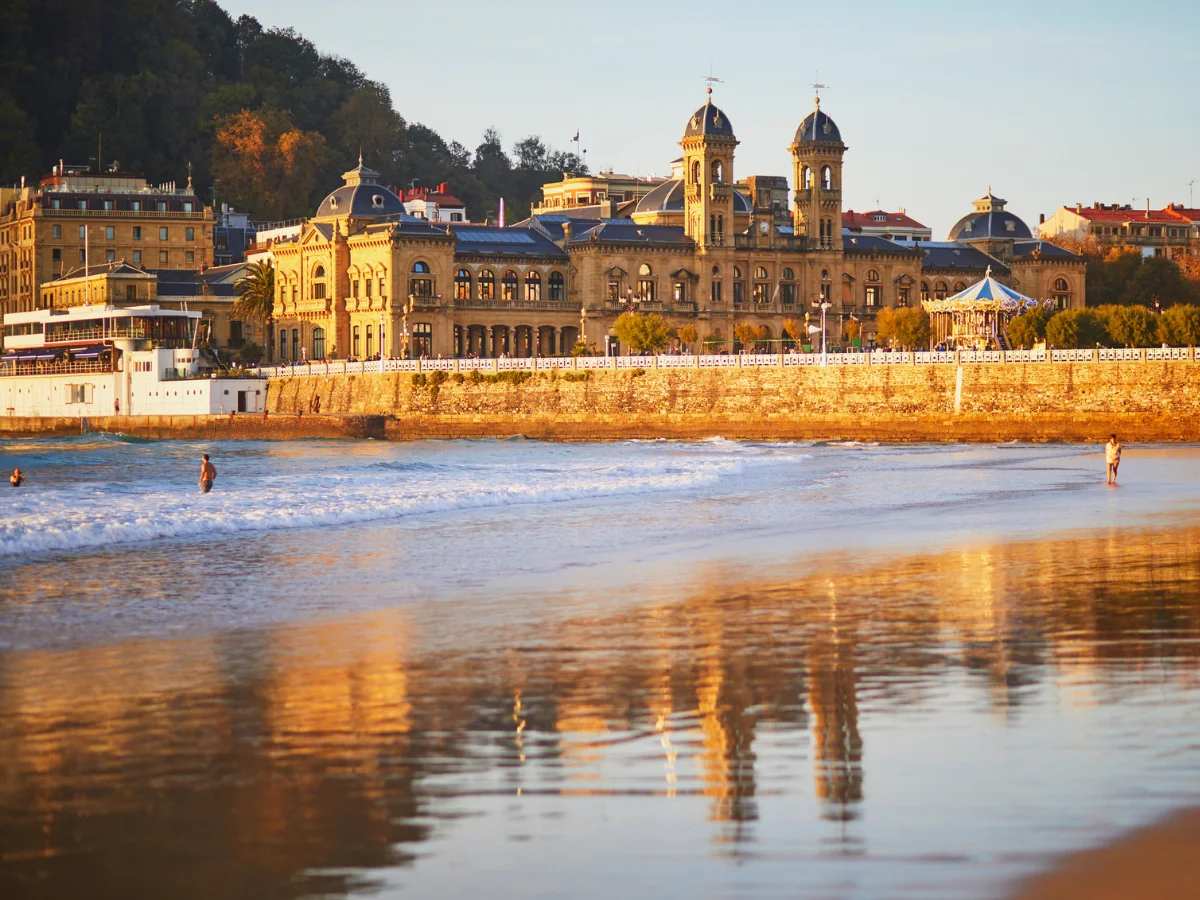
x=208, y=474
x=1112, y=457
x=16, y=479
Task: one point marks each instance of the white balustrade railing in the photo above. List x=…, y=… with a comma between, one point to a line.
x=722, y=361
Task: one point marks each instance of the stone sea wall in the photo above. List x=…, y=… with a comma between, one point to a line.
x=1041, y=401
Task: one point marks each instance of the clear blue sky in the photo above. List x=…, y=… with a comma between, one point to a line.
x=1049, y=102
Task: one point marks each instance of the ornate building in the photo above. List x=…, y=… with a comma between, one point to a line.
x=363, y=278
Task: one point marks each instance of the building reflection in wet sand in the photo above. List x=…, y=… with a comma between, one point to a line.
x=299, y=760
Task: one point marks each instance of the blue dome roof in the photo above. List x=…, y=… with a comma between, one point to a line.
x=668, y=197
x=362, y=196
x=818, y=128
x=709, y=120
x=990, y=220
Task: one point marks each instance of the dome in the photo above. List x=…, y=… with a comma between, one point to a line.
x=709, y=120
x=668, y=197
x=990, y=220
x=361, y=196
x=818, y=128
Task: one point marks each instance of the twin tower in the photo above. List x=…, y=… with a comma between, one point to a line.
x=708, y=144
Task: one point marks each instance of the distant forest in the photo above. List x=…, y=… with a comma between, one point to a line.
x=265, y=118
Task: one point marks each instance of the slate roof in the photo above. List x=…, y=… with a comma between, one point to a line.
x=709, y=120
x=360, y=200
x=186, y=282
x=871, y=243
x=992, y=224
x=489, y=240
x=818, y=128
x=955, y=255
x=1024, y=249
x=626, y=232
x=668, y=197
x=119, y=267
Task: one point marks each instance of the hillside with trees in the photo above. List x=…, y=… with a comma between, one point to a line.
x=268, y=120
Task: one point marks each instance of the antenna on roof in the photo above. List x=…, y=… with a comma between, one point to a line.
x=1191, y=184
x=711, y=79
x=816, y=86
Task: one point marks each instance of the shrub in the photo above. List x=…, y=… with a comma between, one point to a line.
x=643, y=332
x=1073, y=328
x=1132, y=326
x=1179, y=326
x=1028, y=328
x=687, y=335
x=907, y=327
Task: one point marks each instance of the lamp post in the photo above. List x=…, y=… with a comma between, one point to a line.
x=583, y=324
x=824, y=306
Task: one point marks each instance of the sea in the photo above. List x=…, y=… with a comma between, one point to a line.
x=642, y=669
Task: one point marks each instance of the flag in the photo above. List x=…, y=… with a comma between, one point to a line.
x=576, y=138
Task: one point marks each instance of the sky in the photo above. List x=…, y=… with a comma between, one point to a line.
x=1049, y=103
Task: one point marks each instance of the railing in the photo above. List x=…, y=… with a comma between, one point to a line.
x=727, y=361
x=65, y=368
x=123, y=213
x=94, y=334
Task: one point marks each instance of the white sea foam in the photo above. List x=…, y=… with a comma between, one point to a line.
x=83, y=515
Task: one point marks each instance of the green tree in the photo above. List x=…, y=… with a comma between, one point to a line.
x=256, y=297
x=1179, y=326
x=643, y=332
x=1132, y=326
x=1073, y=328
x=906, y=327
x=1027, y=328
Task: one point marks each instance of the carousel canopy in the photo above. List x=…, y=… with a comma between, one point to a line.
x=986, y=295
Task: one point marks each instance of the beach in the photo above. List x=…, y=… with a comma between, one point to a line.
x=743, y=669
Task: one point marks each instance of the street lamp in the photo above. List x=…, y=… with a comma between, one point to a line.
x=824, y=306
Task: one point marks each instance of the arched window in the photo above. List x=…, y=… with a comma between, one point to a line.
x=696, y=172
x=462, y=285
x=420, y=284
x=1062, y=293
x=873, y=290
x=356, y=342
x=558, y=287
x=960, y=286
x=647, y=286
x=807, y=179
x=760, y=274
x=533, y=285
x=716, y=284
x=762, y=285
x=487, y=285
x=318, y=339
x=939, y=290
x=826, y=287
x=924, y=291
x=508, y=285
x=739, y=286
x=788, y=274
x=826, y=178
x=1060, y=284
x=318, y=286
x=717, y=171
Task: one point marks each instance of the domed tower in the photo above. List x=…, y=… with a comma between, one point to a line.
x=708, y=144
x=991, y=227
x=817, y=168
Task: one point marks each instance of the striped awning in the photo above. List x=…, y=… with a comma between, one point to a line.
x=986, y=295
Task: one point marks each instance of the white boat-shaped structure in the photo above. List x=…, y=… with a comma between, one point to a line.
x=103, y=360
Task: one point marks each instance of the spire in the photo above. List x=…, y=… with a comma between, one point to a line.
x=360, y=159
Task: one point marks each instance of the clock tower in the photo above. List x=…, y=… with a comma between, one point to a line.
x=708, y=144
x=817, y=169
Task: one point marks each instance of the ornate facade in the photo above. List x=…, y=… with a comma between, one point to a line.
x=363, y=278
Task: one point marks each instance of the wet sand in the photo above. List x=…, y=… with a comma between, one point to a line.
x=1160, y=861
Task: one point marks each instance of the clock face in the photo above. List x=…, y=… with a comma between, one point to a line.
x=763, y=226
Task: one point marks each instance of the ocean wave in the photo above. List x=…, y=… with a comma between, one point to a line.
x=70, y=518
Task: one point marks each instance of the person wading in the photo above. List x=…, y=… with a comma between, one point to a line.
x=16, y=479
x=208, y=474
x=1112, y=457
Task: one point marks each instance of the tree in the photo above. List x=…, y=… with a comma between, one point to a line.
x=1132, y=326
x=1028, y=328
x=643, y=332
x=1179, y=326
x=852, y=329
x=1074, y=328
x=746, y=335
x=687, y=335
x=266, y=165
x=256, y=297
x=906, y=327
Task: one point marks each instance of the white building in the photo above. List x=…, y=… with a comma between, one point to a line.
x=99, y=360
x=434, y=206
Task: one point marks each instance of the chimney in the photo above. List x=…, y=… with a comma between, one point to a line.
x=1147, y=207
x=566, y=227
x=1078, y=208
x=444, y=187
x=1041, y=218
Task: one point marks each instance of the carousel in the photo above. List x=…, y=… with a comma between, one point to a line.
x=975, y=318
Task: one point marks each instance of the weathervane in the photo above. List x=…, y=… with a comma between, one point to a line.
x=816, y=86
x=711, y=79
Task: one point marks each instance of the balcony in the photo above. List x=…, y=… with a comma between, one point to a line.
x=543, y=305
x=692, y=193
x=122, y=213
x=720, y=192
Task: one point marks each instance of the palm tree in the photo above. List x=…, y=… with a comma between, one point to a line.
x=256, y=297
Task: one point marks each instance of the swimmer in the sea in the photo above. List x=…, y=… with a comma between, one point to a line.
x=16, y=479
x=208, y=474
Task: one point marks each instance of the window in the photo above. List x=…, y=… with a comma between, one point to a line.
x=420, y=284
x=54, y=204
x=56, y=254
x=533, y=286
x=826, y=287
x=110, y=255
x=717, y=171
x=422, y=339
x=367, y=285
x=110, y=233
x=108, y=204
x=874, y=290
x=190, y=257
x=487, y=285
x=82, y=204
x=1062, y=293
x=456, y=217
x=295, y=343
x=136, y=206
x=189, y=234
x=508, y=286
x=462, y=285
x=82, y=232
x=235, y=334
x=137, y=257
x=807, y=178
x=382, y=290
x=283, y=344
x=939, y=290
x=161, y=206
x=187, y=206
x=163, y=257
x=681, y=291
x=739, y=286
x=826, y=178
x=356, y=336
x=613, y=294
x=131, y=292
x=354, y=288
x=902, y=296
x=79, y=393
x=960, y=286
x=56, y=232
x=787, y=293
x=924, y=291
x=716, y=284
x=646, y=286
x=370, y=341
x=558, y=287
x=318, y=286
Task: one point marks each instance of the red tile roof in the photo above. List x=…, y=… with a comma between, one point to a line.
x=438, y=199
x=1179, y=212
x=1092, y=214
x=852, y=219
